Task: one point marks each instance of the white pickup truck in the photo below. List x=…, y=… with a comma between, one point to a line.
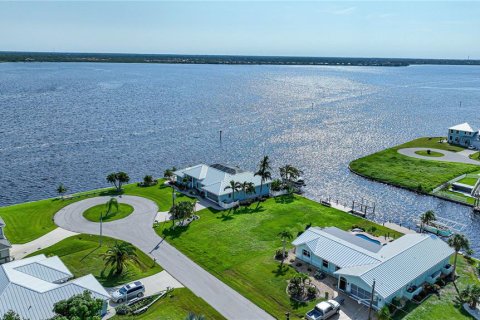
x=323, y=310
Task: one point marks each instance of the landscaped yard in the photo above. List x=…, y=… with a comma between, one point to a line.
x=93, y=214
x=81, y=254
x=176, y=306
x=425, y=153
x=244, y=245
x=446, y=305
x=31, y=220
x=416, y=174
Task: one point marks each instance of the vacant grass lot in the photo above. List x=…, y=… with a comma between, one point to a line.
x=81, y=254
x=446, y=306
x=31, y=220
x=177, y=306
x=93, y=214
x=416, y=174
x=244, y=244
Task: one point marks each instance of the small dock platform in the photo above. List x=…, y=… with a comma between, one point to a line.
x=399, y=228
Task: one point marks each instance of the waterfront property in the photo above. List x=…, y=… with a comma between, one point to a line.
x=399, y=268
x=464, y=135
x=4, y=244
x=32, y=286
x=212, y=182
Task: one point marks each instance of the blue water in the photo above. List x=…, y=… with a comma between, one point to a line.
x=368, y=238
x=75, y=122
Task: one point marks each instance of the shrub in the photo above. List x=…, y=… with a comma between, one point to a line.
x=122, y=309
x=429, y=151
x=312, y=292
x=279, y=254
x=298, y=264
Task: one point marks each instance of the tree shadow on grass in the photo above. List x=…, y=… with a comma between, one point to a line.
x=225, y=217
x=174, y=233
x=281, y=270
x=112, y=279
x=287, y=198
x=89, y=253
x=249, y=210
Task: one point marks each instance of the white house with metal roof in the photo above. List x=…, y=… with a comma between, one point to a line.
x=399, y=268
x=5, y=245
x=32, y=286
x=211, y=182
x=464, y=135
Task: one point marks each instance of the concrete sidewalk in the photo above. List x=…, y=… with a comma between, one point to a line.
x=19, y=251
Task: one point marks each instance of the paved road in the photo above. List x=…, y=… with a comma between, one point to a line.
x=449, y=156
x=137, y=229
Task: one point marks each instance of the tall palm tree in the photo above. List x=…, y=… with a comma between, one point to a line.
x=112, y=178
x=122, y=178
x=193, y=316
x=458, y=242
x=119, y=255
x=234, y=186
x=264, y=171
x=426, y=218
x=285, y=235
x=471, y=295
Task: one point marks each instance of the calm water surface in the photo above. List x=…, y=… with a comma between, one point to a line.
x=76, y=122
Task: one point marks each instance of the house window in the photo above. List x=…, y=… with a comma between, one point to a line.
x=325, y=263
x=362, y=294
x=450, y=137
x=457, y=132
x=306, y=253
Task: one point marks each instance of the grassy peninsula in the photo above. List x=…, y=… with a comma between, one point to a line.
x=419, y=175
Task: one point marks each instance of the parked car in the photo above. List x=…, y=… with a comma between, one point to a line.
x=323, y=310
x=471, y=147
x=129, y=291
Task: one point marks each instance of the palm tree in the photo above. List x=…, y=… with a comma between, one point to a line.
x=147, y=180
x=264, y=171
x=426, y=218
x=458, y=242
x=112, y=178
x=122, y=178
x=285, y=235
x=119, y=255
x=234, y=186
x=384, y=313
x=471, y=295
x=183, y=210
x=247, y=187
x=110, y=204
x=193, y=316
x=290, y=174
x=61, y=189
x=168, y=174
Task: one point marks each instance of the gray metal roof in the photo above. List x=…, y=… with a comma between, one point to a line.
x=43, y=272
x=347, y=236
x=340, y=252
x=26, y=287
x=406, y=259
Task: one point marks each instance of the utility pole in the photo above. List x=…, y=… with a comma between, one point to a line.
x=371, y=300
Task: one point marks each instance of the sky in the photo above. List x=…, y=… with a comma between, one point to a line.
x=409, y=29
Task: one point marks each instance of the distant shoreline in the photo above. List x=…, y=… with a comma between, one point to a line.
x=6, y=56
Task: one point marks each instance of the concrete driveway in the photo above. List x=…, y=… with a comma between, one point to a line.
x=449, y=156
x=137, y=229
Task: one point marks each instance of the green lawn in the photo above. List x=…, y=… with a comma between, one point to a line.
x=475, y=156
x=93, y=214
x=446, y=305
x=245, y=243
x=469, y=181
x=431, y=154
x=416, y=174
x=81, y=255
x=31, y=220
x=433, y=143
x=177, y=306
